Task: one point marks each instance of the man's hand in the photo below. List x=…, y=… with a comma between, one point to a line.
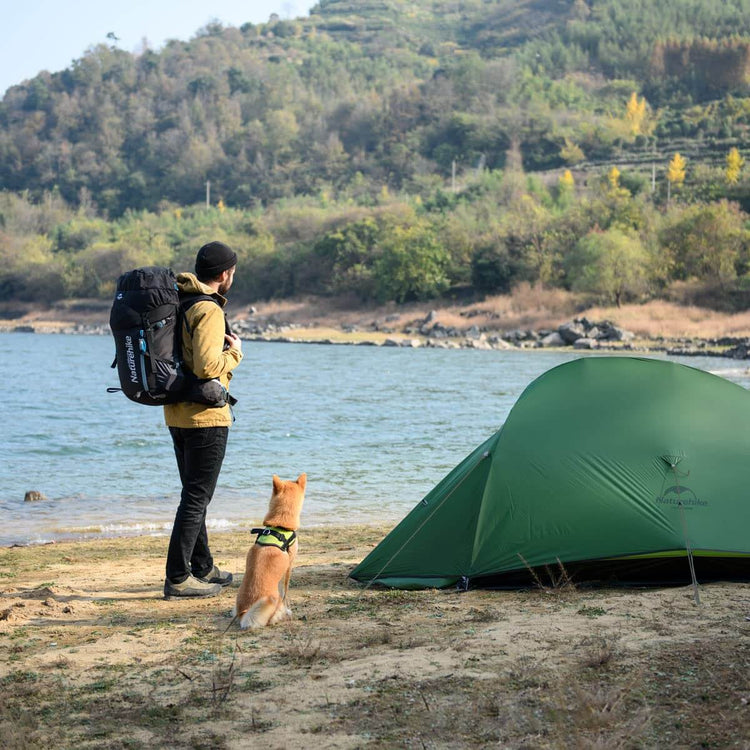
x=234, y=342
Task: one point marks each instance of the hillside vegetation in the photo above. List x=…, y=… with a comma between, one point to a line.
x=396, y=151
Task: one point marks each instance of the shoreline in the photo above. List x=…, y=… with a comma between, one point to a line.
x=88, y=642
x=733, y=347
x=527, y=318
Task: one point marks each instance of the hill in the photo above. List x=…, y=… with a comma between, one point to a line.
x=380, y=93
x=393, y=152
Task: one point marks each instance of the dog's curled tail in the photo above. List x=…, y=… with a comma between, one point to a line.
x=259, y=615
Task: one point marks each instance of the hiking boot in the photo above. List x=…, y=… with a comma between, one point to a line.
x=222, y=577
x=190, y=587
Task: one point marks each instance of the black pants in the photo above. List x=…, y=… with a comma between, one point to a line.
x=200, y=452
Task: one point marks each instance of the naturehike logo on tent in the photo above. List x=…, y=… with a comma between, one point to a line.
x=130, y=354
x=681, y=495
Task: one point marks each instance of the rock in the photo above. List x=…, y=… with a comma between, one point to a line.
x=430, y=317
x=391, y=342
x=392, y=318
x=571, y=332
x=553, y=339
x=34, y=496
x=437, y=331
x=474, y=333
x=585, y=343
x=499, y=343
x=477, y=344
x=610, y=332
x=741, y=351
x=23, y=329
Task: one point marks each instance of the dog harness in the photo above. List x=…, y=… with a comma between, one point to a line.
x=275, y=536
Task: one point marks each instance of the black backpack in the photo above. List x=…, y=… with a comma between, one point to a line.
x=146, y=318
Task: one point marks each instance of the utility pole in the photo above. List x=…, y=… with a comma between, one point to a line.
x=653, y=177
x=208, y=193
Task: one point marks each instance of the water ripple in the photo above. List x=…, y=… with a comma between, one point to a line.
x=374, y=429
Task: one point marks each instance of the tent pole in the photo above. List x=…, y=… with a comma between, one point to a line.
x=696, y=594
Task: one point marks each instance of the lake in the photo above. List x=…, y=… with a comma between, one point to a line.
x=375, y=428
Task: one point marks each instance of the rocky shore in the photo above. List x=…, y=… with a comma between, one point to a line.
x=428, y=331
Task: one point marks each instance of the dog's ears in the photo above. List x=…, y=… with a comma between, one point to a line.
x=277, y=484
x=302, y=481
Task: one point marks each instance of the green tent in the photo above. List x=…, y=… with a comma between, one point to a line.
x=607, y=468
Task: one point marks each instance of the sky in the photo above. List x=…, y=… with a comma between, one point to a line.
x=49, y=34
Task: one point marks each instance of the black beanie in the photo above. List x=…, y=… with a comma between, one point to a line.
x=212, y=259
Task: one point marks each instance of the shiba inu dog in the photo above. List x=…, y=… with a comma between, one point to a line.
x=261, y=599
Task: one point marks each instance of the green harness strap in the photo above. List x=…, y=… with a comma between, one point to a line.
x=275, y=536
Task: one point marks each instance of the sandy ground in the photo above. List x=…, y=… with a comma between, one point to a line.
x=92, y=656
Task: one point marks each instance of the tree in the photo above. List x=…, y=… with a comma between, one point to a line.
x=635, y=114
x=566, y=180
x=612, y=264
x=675, y=173
x=411, y=265
x=571, y=152
x=492, y=268
x=735, y=162
x=613, y=176
x=707, y=242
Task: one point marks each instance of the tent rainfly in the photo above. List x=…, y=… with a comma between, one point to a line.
x=611, y=469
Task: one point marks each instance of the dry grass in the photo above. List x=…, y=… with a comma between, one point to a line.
x=528, y=307
x=671, y=320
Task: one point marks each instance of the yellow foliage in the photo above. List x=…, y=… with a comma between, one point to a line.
x=614, y=178
x=635, y=114
x=566, y=180
x=735, y=162
x=676, y=170
x=220, y=205
x=572, y=152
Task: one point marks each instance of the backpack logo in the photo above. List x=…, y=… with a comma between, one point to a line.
x=130, y=358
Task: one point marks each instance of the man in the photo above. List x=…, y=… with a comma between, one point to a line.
x=199, y=432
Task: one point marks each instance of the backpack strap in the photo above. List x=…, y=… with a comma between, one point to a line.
x=188, y=300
